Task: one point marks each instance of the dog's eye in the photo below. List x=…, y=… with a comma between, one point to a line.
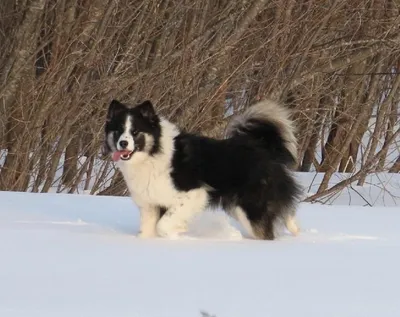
x=135, y=132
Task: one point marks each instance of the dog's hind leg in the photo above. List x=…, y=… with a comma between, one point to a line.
x=178, y=216
x=291, y=225
x=262, y=228
x=239, y=215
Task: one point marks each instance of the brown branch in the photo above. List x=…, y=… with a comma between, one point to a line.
x=368, y=167
x=319, y=28
x=396, y=166
x=382, y=113
x=341, y=62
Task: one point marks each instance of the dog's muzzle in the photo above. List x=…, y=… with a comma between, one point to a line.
x=124, y=155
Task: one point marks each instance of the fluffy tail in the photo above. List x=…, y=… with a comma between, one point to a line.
x=268, y=122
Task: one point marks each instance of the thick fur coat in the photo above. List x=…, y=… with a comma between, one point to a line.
x=173, y=175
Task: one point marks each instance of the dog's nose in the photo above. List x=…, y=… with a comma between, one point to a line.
x=123, y=144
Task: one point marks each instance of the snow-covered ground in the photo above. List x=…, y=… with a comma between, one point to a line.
x=77, y=255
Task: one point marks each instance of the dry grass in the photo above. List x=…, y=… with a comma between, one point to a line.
x=335, y=64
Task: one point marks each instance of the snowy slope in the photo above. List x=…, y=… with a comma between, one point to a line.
x=76, y=255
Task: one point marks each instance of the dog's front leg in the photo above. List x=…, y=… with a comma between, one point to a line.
x=177, y=217
x=149, y=216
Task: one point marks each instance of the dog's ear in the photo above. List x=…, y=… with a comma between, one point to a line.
x=146, y=109
x=114, y=109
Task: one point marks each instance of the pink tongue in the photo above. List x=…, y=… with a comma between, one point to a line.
x=117, y=155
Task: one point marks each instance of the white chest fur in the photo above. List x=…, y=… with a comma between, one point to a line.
x=150, y=182
x=148, y=177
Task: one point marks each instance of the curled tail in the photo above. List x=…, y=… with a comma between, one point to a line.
x=269, y=123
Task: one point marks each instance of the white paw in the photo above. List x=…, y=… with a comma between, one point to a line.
x=166, y=229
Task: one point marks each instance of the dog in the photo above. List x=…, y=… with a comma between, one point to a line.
x=172, y=175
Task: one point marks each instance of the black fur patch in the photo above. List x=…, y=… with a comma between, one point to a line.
x=248, y=170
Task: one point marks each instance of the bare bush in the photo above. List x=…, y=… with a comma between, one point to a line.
x=335, y=63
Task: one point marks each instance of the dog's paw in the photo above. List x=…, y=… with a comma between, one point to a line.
x=169, y=231
x=146, y=235
x=170, y=234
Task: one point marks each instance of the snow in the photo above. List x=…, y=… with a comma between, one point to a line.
x=77, y=255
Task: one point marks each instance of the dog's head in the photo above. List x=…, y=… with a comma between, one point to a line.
x=131, y=131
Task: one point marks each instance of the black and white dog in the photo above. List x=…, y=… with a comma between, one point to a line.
x=172, y=175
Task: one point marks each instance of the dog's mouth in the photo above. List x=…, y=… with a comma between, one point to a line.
x=123, y=155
